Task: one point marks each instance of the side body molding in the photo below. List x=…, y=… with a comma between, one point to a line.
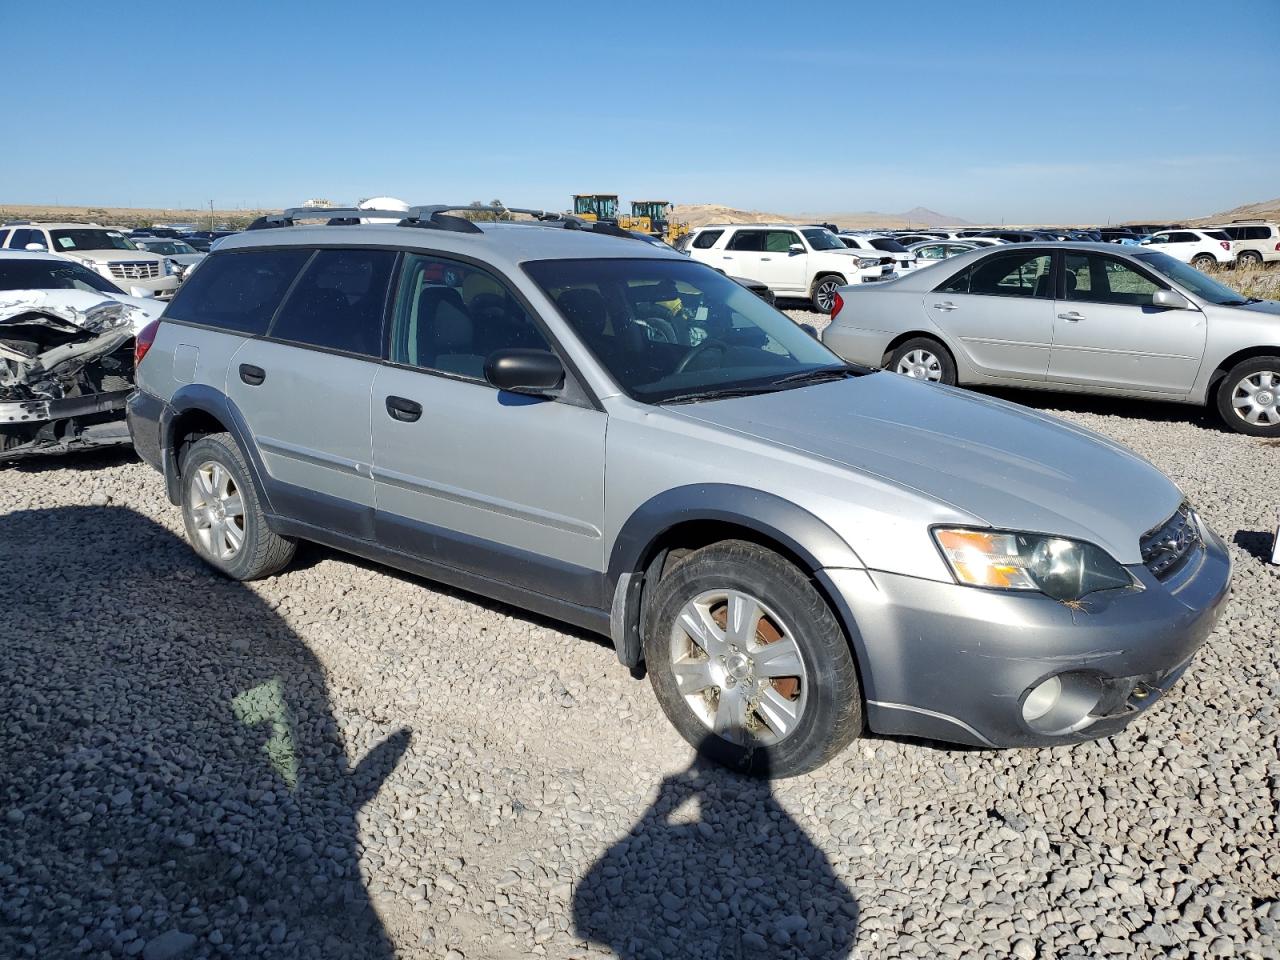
x=637, y=545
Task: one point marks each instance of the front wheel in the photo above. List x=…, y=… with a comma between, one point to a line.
x=923, y=358
x=749, y=663
x=823, y=294
x=1249, y=397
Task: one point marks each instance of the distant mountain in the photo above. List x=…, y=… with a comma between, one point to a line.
x=1262, y=210
x=698, y=214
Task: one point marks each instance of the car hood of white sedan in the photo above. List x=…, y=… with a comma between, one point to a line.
x=82, y=307
x=1003, y=464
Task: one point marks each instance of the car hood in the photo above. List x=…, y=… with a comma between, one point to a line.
x=1000, y=463
x=112, y=256
x=1271, y=307
x=83, y=308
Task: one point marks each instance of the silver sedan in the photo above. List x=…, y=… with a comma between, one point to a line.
x=1081, y=317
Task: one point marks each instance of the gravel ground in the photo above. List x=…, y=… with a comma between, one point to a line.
x=344, y=761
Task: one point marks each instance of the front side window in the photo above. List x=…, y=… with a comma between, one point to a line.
x=1093, y=278
x=238, y=291
x=23, y=237
x=707, y=239
x=1183, y=238
x=338, y=302
x=450, y=316
x=748, y=240
x=52, y=275
x=1202, y=285
x=779, y=241
x=1005, y=275
x=90, y=238
x=667, y=329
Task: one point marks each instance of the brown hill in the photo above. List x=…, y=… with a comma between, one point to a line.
x=699, y=214
x=1262, y=210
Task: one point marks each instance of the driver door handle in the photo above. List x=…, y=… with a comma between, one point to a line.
x=406, y=411
x=946, y=306
x=1071, y=316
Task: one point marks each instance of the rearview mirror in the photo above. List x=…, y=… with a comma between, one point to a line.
x=524, y=371
x=810, y=329
x=795, y=248
x=1171, y=299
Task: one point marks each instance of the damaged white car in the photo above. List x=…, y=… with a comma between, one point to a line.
x=66, y=355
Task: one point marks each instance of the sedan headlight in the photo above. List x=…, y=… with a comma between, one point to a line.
x=1006, y=560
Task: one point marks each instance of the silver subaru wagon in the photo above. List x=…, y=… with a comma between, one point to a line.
x=565, y=419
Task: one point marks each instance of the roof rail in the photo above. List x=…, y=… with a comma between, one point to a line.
x=15, y=223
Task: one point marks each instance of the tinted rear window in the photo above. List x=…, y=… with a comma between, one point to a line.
x=238, y=291
x=884, y=243
x=338, y=302
x=707, y=238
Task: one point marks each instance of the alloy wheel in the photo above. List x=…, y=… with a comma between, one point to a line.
x=825, y=297
x=1256, y=398
x=920, y=365
x=739, y=668
x=217, y=510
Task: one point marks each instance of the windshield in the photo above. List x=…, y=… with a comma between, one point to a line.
x=891, y=246
x=167, y=247
x=676, y=328
x=821, y=239
x=1191, y=278
x=51, y=275
x=90, y=239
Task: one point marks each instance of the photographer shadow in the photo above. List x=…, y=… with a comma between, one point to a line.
x=736, y=877
x=172, y=778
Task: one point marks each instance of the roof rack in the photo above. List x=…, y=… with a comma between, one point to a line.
x=432, y=217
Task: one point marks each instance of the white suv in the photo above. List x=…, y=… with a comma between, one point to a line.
x=807, y=262
x=1200, y=248
x=104, y=250
x=904, y=260
x=1254, y=242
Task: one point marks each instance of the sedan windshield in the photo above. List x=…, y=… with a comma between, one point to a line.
x=1191, y=278
x=166, y=247
x=90, y=240
x=823, y=239
x=51, y=275
x=670, y=329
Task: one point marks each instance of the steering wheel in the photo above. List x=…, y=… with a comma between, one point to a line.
x=711, y=343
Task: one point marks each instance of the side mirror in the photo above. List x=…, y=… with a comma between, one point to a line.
x=524, y=371
x=1171, y=300
x=811, y=330
x=795, y=248
x=38, y=247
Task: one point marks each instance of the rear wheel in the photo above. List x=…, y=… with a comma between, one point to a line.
x=823, y=293
x=923, y=358
x=1249, y=258
x=1203, y=261
x=1249, y=397
x=224, y=520
x=749, y=663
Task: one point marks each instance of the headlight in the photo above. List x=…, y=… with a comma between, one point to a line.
x=865, y=262
x=1060, y=568
x=170, y=268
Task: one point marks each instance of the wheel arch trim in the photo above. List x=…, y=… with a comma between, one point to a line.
x=209, y=400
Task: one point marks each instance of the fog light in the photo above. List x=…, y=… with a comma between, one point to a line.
x=1041, y=700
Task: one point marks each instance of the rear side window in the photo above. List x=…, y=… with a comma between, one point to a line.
x=338, y=302
x=747, y=240
x=707, y=239
x=1005, y=275
x=238, y=292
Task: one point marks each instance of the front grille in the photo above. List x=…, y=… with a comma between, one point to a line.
x=1166, y=548
x=135, y=269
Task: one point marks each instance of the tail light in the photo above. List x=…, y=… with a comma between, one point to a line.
x=1225, y=245
x=836, y=306
x=142, y=343
x=1278, y=246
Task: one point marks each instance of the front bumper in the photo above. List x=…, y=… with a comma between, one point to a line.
x=955, y=663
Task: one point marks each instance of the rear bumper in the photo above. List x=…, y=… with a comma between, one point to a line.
x=145, y=414
x=854, y=344
x=956, y=663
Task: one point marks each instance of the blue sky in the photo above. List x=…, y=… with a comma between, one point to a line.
x=1095, y=110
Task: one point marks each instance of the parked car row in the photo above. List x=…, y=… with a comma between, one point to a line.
x=558, y=416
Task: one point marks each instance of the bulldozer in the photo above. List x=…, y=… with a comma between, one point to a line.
x=597, y=207
x=654, y=218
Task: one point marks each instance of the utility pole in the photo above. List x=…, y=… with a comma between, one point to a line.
x=210, y=216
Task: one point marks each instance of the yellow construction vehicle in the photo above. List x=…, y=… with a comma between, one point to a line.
x=654, y=218
x=602, y=207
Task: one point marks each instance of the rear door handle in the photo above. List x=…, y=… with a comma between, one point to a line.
x=1071, y=316
x=252, y=375
x=406, y=411
x=946, y=306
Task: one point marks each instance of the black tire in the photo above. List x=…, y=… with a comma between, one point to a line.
x=1249, y=259
x=945, y=362
x=261, y=552
x=830, y=711
x=823, y=293
x=1228, y=389
x=1202, y=261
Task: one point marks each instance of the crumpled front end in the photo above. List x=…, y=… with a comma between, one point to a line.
x=66, y=369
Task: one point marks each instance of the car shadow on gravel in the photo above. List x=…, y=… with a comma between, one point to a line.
x=172, y=778
x=1256, y=543
x=716, y=868
x=1153, y=411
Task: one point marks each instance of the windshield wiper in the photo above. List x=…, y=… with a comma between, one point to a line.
x=772, y=386
x=723, y=393
x=815, y=376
